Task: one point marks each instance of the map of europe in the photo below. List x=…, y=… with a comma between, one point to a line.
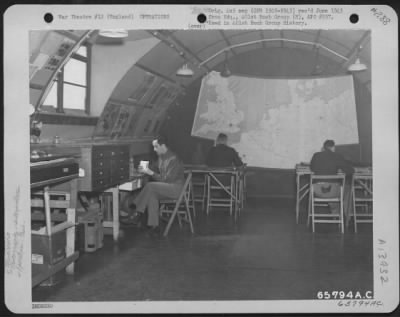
x=277, y=123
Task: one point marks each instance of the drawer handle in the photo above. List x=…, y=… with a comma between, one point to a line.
x=101, y=173
x=112, y=153
x=101, y=182
x=101, y=163
x=101, y=154
x=65, y=170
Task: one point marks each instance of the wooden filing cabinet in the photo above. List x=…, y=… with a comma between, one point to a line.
x=104, y=165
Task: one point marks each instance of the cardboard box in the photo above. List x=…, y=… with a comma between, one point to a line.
x=47, y=251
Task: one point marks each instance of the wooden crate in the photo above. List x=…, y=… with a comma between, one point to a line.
x=59, y=202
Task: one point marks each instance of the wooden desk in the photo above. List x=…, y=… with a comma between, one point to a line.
x=45, y=174
x=213, y=172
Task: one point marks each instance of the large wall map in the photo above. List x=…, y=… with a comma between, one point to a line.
x=276, y=123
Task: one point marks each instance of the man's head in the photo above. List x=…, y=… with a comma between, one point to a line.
x=329, y=145
x=222, y=138
x=160, y=145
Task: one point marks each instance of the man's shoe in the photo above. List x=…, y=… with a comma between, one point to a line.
x=132, y=219
x=136, y=217
x=154, y=231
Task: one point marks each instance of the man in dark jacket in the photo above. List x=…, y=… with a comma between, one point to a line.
x=328, y=162
x=167, y=183
x=221, y=155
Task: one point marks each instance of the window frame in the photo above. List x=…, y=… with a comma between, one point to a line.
x=60, y=107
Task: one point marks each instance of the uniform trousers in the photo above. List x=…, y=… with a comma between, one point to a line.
x=150, y=196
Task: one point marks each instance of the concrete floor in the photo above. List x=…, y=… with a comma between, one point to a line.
x=264, y=256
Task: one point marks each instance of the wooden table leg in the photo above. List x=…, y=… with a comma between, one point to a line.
x=115, y=206
x=71, y=217
x=47, y=212
x=70, y=248
x=297, y=197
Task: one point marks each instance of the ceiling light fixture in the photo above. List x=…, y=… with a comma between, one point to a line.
x=185, y=71
x=114, y=33
x=357, y=66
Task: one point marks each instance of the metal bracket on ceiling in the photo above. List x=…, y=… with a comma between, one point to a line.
x=271, y=40
x=178, y=47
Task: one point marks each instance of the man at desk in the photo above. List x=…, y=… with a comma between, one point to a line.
x=221, y=155
x=328, y=162
x=167, y=183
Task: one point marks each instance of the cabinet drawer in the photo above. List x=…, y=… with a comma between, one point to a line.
x=99, y=183
x=101, y=163
x=100, y=173
x=117, y=163
x=100, y=152
x=119, y=178
x=119, y=152
x=121, y=170
x=123, y=152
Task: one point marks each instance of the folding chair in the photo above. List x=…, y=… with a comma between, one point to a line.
x=315, y=201
x=190, y=193
x=361, y=188
x=240, y=189
x=221, y=191
x=199, y=188
x=171, y=208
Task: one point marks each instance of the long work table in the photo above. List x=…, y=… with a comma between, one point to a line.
x=213, y=173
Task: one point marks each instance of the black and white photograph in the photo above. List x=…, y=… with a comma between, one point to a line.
x=240, y=159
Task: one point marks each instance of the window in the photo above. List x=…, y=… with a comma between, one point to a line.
x=143, y=88
x=158, y=96
x=70, y=91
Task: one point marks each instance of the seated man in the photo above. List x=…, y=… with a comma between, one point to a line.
x=167, y=183
x=221, y=155
x=328, y=162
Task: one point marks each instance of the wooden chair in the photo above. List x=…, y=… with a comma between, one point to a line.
x=240, y=190
x=315, y=201
x=221, y=192
x=199, y=189
x=361, y=189
x=171, y=208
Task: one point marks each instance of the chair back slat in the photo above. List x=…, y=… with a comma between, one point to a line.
x=330, y=177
